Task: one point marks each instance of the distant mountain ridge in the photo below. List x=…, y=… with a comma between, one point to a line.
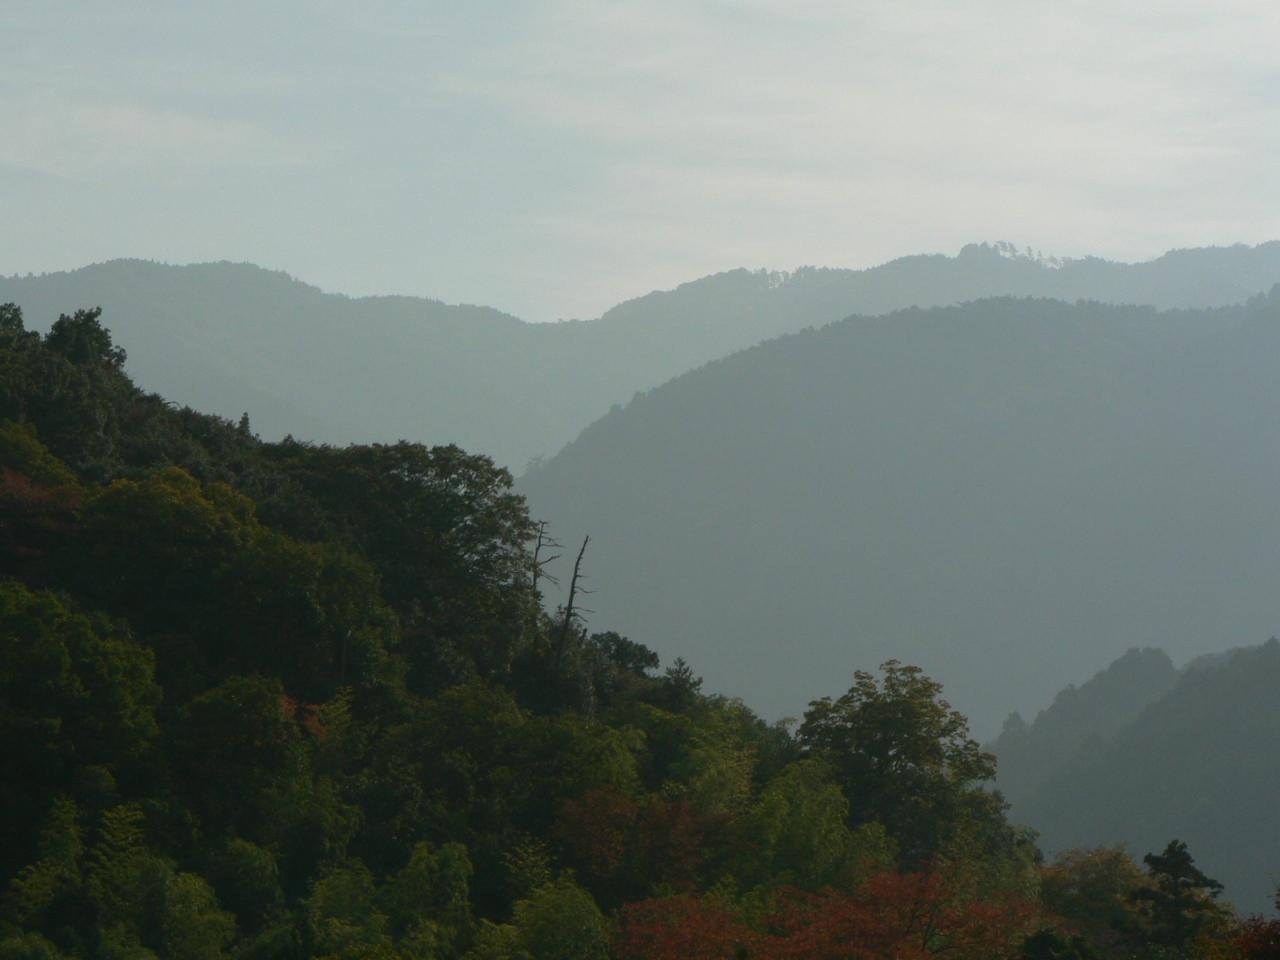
x=1005, y=493
x=1197, y=761
x=1081, y=719
x=230, y=337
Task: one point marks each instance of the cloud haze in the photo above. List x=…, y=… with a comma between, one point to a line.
x=553, y=158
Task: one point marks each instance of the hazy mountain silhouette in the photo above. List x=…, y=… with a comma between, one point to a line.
x=1199, y=763
x=1079, y=719
x=1006, y=493
x=229, y=337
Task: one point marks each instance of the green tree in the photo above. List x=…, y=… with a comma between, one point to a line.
x=219, y=593
x=343, y=919
x=48, y=895
x=796, y=833
x=1093, y=893
x=77, y=712
x=428, y=900
x=188, y=923
x=446, y=536
x=1180, y=904
x=245, y=729
x=246, y=878
x=560, y=921
x=142, y=903
x=903, y=757
x=82, y=339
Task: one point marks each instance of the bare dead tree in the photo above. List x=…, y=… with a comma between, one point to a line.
x=571, y=612
x=544, y=541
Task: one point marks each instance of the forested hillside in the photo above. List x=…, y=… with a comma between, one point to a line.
x=1197, y=757
x=1080, y=719
x=284, y=701
x=227, y=338
x=1006, y=492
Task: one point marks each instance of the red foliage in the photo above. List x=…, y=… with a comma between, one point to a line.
x=1259, y=938
x=687, y=928
x=595, y=830
x=900, y=916
x=33, y=517
x=622, y=845
x=892, y=916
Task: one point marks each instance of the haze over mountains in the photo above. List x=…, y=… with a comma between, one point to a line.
x=1003, y=488
x=227, y=338
x=1006, y=493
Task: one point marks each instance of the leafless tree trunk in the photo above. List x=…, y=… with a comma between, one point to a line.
x=570, y=611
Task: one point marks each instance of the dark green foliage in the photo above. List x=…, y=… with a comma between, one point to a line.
x=77, y=712
x=246, y=729
x=445, y=535
x=1050, y=945
x=246, y=878
x=167, y=553
x=83, y=340
x=1179, y=905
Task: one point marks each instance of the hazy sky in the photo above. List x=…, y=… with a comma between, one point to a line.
x=553, y=158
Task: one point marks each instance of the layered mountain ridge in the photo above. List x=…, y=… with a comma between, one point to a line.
x=230, y=338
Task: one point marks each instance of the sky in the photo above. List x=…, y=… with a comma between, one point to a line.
x=554, y=158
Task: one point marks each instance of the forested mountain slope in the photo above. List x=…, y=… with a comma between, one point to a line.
x=1006, y=492
x=1079, y=719
x=1199, y=762
x=231, y=337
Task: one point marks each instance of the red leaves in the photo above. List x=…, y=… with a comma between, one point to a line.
x=891, y=917
x=622, y=845
x=687, y=928
x=33, y=518
x=1259, y=938
x=596, y=830
x=898, y=916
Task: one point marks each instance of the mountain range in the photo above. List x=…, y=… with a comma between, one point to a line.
x=1006, y=493
x=1002, y=468
x=229, y=338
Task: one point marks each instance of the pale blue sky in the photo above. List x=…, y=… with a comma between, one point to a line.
x=553, y=158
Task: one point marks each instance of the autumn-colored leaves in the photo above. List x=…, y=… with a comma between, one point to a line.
x=903, y=916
